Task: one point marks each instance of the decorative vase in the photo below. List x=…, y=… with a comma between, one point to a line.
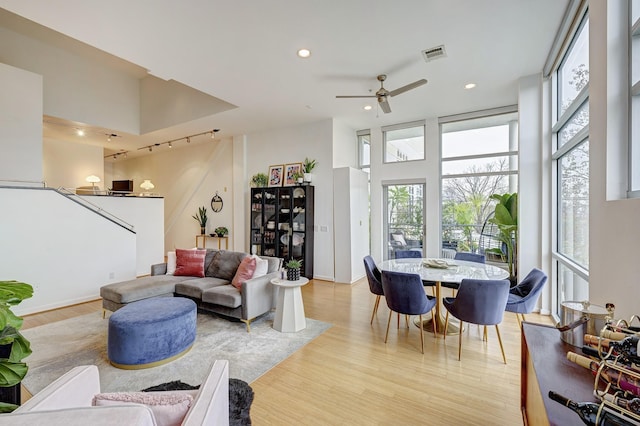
x=308, y=177
x=293, y=274
x=203, y=230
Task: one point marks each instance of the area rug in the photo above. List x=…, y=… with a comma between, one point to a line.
x=60, y=346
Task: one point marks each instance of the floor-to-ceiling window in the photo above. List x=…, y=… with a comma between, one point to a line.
x=479, y=158
x=571, y=166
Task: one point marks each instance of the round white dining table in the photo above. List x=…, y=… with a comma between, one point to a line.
x=455, y=272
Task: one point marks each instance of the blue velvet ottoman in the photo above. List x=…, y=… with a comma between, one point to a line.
x=151, y=332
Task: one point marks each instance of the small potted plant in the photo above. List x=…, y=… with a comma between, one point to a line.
x=307, y=168
x=221, y=231
x=201, y=218
x=259, y=180
x=293, y=269
x=298, y=177
x=14, y=347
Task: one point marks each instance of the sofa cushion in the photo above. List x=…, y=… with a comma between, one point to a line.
x=169, y=408
x=194, y=287
x=190, y=262
x=224, y=264
x=245, y=272
x=275, y=263
x=140, y=288
x=208, y=258
x=262, y=266
x=226, y=295
x=171, y=262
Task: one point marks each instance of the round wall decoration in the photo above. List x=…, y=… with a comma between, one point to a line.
x=216, y=203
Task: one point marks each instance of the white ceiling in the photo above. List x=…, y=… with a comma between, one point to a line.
x=244, y=53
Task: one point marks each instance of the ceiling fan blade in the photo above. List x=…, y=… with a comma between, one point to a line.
x=357, y=96
x=384, y=105
x=408, y=87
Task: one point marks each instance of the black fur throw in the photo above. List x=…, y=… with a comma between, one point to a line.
x=240, y=398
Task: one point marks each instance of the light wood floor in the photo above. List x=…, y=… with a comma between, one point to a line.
x=348, y=376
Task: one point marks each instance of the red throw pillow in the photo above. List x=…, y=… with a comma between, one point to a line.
x=190, y=263
x=245, y=272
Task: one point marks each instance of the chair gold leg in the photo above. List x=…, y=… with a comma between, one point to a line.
x=433, y=323
x=460, y=341
x=375, y=308
x=406, y=320
x=421, y=335
x=523, y=320
x=248, y=323
x=484, y=336
x=504, y=358
x=388, y=323
x=446, y=323
x=104, y=313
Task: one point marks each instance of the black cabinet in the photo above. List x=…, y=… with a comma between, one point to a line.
x=282, y=224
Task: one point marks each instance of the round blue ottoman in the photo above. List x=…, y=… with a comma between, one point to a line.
x=151, y=332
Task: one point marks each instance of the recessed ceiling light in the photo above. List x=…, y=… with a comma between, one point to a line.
x=469, y=85
x=304, y=53
x=80, y=132
x=367, y=107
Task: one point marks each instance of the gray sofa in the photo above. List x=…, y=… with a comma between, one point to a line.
x=213, y=292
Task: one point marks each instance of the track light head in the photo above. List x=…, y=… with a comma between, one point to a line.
x=170, y=146
x=188, y=139
x=150, y=148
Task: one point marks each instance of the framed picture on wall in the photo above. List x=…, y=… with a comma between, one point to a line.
x=290, y=173
x=276, y=174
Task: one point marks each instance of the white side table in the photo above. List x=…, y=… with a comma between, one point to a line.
x=290, y=309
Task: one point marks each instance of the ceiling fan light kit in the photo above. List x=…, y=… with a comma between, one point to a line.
x=382, y=94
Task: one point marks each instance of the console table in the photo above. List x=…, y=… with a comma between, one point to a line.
x=545, y=367
x=220, y=240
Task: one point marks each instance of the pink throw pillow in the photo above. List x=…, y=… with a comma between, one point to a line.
x=169, y=408
x=245, y=272
x=190, y=263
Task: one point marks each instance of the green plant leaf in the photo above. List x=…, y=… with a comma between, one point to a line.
x=5, y=407
x=14, y=292
x=12, y=373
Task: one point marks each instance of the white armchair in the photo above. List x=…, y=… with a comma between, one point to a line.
x=67, y=402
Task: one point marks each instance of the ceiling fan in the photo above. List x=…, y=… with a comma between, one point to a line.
x=383, y=93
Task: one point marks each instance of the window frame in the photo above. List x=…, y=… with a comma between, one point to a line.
x=412, y=124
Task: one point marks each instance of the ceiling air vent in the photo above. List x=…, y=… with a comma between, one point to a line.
x=434, y=53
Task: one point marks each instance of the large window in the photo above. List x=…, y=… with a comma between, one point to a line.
x=479, y=158
x=571, y=159
x=404, y=142
x=364, y=150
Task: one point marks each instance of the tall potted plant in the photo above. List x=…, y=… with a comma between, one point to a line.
x=14, y=347
x=506, y=219
x=201, y=218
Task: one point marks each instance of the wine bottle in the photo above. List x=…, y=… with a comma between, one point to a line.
x=626, y=349
x=610, y=375
x=632, y=405
x=588, y=412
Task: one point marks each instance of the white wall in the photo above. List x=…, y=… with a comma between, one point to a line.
x=613, y=224
x=67, y=164
x=146, y=214
x=188, y=177
x=20, y=124
x=64, y=250
x=75, y=88
x=292, y=145
x=530, y=202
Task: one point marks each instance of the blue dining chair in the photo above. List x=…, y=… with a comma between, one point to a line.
x=405, y=295
x=471, y=257
x=479, y=302
x=468, y=256
x=524, y=297
x=408, y=254
x=375, y=284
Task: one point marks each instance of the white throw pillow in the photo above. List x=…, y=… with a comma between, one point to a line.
x=169, y=408
x=171, y=262
x=399, y=238
x=262, y=266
